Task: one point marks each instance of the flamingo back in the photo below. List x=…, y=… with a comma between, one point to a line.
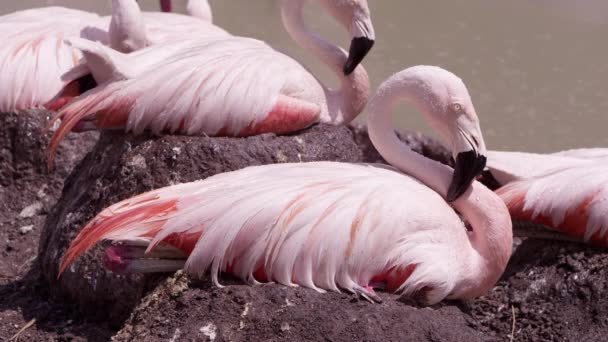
x=326, y=226
x=573, y=201
x=222, y=86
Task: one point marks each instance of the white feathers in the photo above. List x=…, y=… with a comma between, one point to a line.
x=203, y=86
x=566, y=184
x=326, y=226
x=581, y=191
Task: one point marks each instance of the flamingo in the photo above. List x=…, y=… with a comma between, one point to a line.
x=230, y=86
x=34, y=59
x=416, y=228
x=566, y=191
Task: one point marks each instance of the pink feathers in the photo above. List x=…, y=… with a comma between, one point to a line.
x=143, y=208
x=567, y=194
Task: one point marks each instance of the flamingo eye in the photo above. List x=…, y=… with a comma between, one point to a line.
x=457, y=107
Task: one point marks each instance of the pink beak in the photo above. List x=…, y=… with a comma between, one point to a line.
x=165, y=5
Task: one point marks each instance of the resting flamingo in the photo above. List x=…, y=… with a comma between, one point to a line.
x=330, y=225
x=567, y=191
x=231, y=86
x=34, y=59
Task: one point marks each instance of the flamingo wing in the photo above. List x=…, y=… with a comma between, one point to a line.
x=321, y=225
x=227, y=86
x=573, y=201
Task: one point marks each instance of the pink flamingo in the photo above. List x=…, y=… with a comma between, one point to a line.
x=34, y=59
x=329, y=225
x=232, y=86
x=567, y=191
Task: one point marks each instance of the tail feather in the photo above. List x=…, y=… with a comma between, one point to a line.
x=111, y=110
x=138, y=217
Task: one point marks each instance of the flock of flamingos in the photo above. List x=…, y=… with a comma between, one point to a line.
x=417, y=227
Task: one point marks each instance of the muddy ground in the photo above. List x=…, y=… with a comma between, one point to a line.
x=550, y=291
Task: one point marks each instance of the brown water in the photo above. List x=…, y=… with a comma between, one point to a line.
x=536, y=69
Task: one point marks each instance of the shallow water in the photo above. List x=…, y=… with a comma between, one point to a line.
x=536, y=69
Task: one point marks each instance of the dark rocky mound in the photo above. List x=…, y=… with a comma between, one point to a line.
x=27, y=193
x=196, y=310
x=27, y=189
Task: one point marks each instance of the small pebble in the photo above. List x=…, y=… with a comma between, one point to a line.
x=31, y=210
x=26, y=229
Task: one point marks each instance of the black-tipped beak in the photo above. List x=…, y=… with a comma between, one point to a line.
x=469, y=165
x=359, y=47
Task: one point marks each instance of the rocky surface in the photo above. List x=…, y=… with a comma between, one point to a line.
x=27, y=194
x=550, y=291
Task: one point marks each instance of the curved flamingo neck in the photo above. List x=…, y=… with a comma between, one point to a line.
x=199, y=9
x=491, y=236
x=345, y=103
x=127, y=28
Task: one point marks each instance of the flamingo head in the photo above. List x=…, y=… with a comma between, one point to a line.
x=447, y=105
x=457, y=121
x=355, y=16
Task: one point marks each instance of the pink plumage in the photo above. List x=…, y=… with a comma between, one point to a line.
x=567, y=191
x=326, y=225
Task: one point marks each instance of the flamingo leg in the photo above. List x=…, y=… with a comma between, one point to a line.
x=124, y=259
x=368, y=293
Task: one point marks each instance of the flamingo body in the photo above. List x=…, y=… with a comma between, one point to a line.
x=320, y=225
x=233, y=86
x=567, y=194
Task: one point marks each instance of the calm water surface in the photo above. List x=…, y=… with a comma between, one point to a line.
x=536, y=70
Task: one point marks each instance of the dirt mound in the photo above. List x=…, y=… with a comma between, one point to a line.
x=27, y=194
x=194, y=310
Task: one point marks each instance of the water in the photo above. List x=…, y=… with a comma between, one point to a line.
x=536, y=70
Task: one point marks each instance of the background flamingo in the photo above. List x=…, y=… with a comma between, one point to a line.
x=558, y=191
x=229, y=86
x=34, y=58
x=331, y=226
